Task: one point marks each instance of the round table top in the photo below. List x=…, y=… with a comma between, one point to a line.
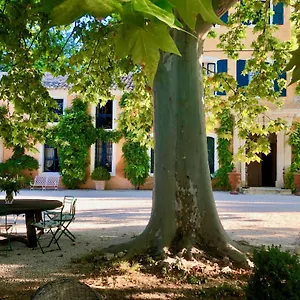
x=20, y=206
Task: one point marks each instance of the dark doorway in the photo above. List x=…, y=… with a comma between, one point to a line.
x=264, y=173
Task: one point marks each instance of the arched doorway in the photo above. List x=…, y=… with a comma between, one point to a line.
x=264, y=173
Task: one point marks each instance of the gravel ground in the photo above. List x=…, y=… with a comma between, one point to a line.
x=104, y=218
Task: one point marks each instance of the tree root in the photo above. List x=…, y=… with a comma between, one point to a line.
x=141, y=248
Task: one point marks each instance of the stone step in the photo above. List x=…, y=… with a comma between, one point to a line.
x=265, y=190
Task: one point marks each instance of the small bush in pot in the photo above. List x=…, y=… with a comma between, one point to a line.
x=100, y=174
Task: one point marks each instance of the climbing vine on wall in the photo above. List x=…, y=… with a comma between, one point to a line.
x=135, y=122
x=73, y=136
x=225, y=155
x=294, y=141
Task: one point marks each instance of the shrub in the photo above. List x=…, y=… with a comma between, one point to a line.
x=100, y=173
x=276, y=276
x=224, y=152
x=137, y=162
x=289, y=177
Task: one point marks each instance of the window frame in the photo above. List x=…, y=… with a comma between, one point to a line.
x=93, y=147
x=41, y=170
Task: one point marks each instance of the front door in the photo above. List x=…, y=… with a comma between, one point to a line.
x=264, y=173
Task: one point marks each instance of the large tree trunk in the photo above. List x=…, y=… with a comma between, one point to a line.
x=184, y=213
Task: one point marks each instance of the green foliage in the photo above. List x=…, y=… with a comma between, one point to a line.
x=189, y=10
x=100, y=173
x=108, y=135
x=294, y=141
x=136, y=118
x=276, y=275
x=142, y=39
x=224, y=291
x=224, y=133
x=12, y=176
x=267, y=59
x=294, y=65
x=136, y=121
x=289, y=177
x=73, y=136
x=137, y=162
x=26, y=106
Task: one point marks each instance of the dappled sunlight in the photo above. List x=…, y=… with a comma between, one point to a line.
x=105, y=221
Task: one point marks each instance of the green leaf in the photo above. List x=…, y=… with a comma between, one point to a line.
x=294, y=63
x=143, y=44
x=71, y=10
x=165, y=15
x=190, y=9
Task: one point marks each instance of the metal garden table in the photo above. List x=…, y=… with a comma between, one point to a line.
x=32, y=208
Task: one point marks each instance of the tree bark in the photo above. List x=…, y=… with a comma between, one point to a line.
x=184, y=213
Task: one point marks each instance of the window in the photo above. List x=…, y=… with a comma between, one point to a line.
x=244, y=80
x=60, y=106
x=104, y=115
x=211, y=153
x=104, y=150
x=209, y=69
x=51, y=161
x=103, y=155
x=277, y=18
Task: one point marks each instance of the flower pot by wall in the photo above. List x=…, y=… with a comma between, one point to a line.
x=297, y=183
x=234, y=179
x=100, y=185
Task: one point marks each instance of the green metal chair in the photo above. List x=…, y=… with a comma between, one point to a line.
x=49, y=226
x=6, y=228
x=66, y=201
x=66, y=217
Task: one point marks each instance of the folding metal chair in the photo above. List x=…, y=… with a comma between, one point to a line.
x=52, y=212
x=66, y=216
x=49, y=226
x=5, y=231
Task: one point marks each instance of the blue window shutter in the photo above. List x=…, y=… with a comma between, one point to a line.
x=278, y=17
x=224, y=18
x=222, y=67
x=276, y=87
x=242, y=80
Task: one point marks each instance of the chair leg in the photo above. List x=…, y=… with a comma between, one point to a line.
x=67, y=232
x=39, y=244
x=54, y=238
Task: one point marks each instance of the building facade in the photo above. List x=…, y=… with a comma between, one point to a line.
x=270, y=172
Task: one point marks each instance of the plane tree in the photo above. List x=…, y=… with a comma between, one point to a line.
x=184, y=214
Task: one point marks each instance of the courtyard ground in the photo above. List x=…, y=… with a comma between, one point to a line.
x=108, y=217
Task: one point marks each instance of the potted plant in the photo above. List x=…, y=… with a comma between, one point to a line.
x=11, y=184
x=12, y=173
x=100, y=175
x=234, y=179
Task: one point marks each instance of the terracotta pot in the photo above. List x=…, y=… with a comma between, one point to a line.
x=297, y=183
x=100, y=185
x=234, y=179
